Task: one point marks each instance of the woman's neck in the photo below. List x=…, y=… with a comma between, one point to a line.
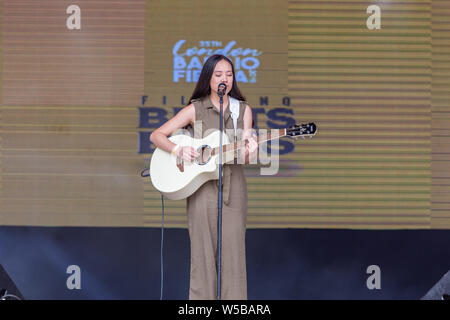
x=216, y=100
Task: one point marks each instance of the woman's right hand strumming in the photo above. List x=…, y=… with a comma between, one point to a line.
x=186, y=153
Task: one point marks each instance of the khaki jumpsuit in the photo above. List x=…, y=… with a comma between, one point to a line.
x=202, y=221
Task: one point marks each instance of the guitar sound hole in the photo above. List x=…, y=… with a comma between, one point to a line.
x=205, y=155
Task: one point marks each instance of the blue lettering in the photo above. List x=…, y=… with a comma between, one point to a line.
x=151, y=117
x=253, y=65
x=179, y=62
x=145, y=146
x=284, y=147
x=241, y=77
x=263, y=101
x=255, y=112
x=143, y=99
x=177, y=75
x=274, y=114
x=176, y=47
x=194, y=64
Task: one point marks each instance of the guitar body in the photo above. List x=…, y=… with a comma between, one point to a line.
x=179, y=179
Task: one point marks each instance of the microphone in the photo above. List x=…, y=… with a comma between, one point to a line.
x=221, y=89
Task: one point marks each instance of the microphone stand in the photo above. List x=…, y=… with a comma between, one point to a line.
x=219, y=206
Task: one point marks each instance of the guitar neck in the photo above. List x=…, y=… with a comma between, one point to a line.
x=271, y=135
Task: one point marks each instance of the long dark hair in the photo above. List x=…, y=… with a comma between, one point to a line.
x=202, y=89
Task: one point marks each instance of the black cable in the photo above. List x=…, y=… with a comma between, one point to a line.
x=162, y=235
x=145, y=175
x=162, y=246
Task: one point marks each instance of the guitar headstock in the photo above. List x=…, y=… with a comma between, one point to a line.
x=303, y=130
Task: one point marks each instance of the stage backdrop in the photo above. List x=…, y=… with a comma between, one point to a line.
x=84, y=83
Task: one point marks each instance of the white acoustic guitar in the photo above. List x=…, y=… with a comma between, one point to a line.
x=177, y=179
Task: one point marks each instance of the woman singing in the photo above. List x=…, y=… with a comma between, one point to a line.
x=202, y=216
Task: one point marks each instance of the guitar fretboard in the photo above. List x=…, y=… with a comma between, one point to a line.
x=272, y=134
